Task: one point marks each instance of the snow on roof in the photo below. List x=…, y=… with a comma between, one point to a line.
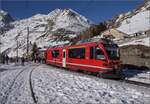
x=144, y=41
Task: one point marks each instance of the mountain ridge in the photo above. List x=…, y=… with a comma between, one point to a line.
x=57, y=27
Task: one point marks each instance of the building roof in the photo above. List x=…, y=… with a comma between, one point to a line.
x=114, y=34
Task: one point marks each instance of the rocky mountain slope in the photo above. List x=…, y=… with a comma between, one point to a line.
x=57, y=27
x=5, y=19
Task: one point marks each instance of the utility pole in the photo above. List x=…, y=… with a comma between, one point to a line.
x=17, y=49
x=27, y=42
x=0, y=41
x=17, y=52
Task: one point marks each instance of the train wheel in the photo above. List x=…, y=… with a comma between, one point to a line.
x=120, y=75
x=99, y=75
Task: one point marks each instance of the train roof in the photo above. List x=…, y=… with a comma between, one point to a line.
x=86, y=42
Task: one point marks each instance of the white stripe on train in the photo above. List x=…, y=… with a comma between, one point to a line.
x=80, y=65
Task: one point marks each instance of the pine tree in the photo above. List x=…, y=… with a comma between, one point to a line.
x=34, y=51
x=93, y=31
x=98, y=29
x=0, y=58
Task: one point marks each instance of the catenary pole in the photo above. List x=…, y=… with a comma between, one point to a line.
x=27, y=42
x=17, y=40
x=17, y=49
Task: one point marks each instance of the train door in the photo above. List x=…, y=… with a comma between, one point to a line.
x=96, y=58
x=64, y=58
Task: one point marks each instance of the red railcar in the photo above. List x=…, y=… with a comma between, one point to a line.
x=97, y=57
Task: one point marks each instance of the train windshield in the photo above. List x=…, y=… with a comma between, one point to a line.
x=112, y=51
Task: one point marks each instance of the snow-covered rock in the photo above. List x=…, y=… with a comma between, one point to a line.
x=5, y=19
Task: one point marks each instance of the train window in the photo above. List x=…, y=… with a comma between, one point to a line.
x=112, y=50
x=99, y=54
x=92, y=51
x=77, y=53
x=113, y=53
x=55, y=53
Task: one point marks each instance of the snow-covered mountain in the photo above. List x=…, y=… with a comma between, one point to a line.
x=57, y=27
x=135, y=21
x=136, y=24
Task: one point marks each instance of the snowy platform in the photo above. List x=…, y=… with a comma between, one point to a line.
x=51, y=85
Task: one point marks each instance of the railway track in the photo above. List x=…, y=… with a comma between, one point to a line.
x=31, y=86
x=136, y=83
x=5, y=98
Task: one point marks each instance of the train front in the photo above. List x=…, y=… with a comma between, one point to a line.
x=112, y=54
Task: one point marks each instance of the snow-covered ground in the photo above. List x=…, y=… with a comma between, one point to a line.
x=51, y=85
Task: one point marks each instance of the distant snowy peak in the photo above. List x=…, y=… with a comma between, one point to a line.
x=5, y=20
x=77, y=15
x=3, y=12
x=68, y=13
x=68, y=19
x=5, y=17
x=55, y=13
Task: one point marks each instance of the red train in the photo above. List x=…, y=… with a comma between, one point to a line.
x=101, y=57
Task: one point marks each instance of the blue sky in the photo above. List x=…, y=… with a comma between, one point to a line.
x=95, y=10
